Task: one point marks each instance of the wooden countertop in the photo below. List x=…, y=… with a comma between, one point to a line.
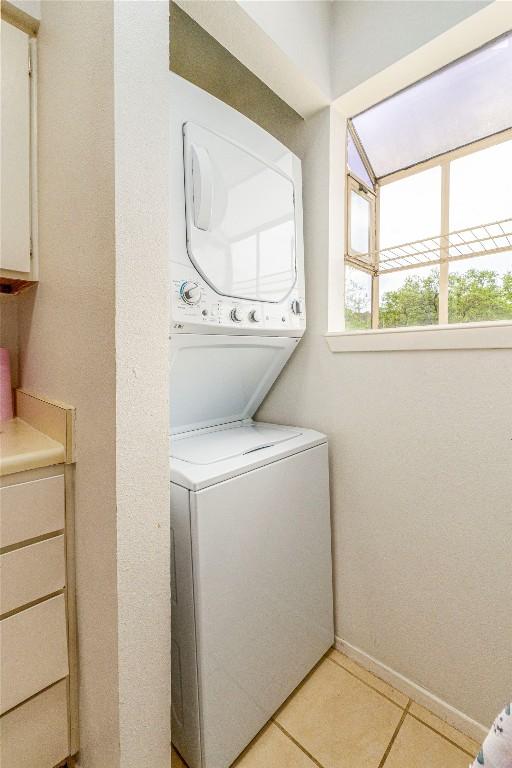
x=22, y=447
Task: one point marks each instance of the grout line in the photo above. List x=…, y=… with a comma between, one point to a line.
x=431, y=727
x=446, y=738
x=297, y=744
x=276, y=713
x=299, y=686
x=361, y=680
x=397, y=729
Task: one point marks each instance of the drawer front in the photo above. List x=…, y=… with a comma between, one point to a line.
x=35, y=734
x=33, y=651
x=31, y=509
x=31, y=572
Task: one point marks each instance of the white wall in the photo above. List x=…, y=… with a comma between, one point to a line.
x=302, y=29
x=369, y=36
x=310, y=52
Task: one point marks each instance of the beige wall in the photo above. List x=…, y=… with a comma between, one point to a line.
x=67, y=345
x=421, y=482
x=142, y=380
x=9, y=332
x=94, y=333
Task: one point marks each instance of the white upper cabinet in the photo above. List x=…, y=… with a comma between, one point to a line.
x=16, y=128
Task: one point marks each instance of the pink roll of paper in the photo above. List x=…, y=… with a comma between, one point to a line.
x=5, y=385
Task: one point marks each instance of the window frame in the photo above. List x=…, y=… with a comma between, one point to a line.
x=354, y=184
x=444, y=162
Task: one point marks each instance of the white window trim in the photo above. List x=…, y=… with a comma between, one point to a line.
x=489, y=335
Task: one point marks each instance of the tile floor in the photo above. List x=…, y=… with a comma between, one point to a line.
x=342, y=716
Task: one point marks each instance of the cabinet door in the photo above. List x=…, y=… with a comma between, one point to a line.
x=35, y=734
x=33, y=651
x=15, y=253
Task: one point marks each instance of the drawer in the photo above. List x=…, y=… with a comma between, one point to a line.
x=35, y=734
x=31, y=572
x=33, y=651
x=31, y=509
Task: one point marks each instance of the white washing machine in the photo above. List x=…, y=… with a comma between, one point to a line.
x=251, y=571
x=251, y=576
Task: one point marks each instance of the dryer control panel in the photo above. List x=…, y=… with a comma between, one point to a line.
x=196, y=308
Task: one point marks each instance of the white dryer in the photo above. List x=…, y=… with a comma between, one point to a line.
x=251, y=567
x=237, y=262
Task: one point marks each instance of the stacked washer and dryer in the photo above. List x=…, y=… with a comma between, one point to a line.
x=251, y=569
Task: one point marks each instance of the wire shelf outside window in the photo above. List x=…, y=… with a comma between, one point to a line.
x=480, y=240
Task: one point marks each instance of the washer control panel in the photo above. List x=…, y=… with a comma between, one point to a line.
x=194, y=305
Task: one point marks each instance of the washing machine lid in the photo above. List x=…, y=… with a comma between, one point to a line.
x=229, y=451
x=218, y=379
x=228, y=442
x=240, y=218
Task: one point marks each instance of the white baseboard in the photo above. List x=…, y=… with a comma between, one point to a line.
x=420, y=695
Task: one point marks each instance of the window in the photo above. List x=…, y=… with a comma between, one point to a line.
x=409, y=298
x=429, y=199
x=358, y=299
x=361, y=222
x=444, y=236
x=464, y=102
x=410, y=208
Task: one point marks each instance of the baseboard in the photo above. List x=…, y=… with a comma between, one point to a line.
x=420, y=695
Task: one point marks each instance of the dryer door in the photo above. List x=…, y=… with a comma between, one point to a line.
x=240, y=214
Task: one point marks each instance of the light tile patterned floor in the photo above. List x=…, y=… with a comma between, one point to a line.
x=342, y=716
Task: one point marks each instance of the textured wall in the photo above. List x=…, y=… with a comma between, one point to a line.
x=421, y=483
x=142, y=380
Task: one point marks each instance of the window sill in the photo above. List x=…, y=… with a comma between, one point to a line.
x=495, y=335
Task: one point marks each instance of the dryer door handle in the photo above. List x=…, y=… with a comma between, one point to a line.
x=202, y=187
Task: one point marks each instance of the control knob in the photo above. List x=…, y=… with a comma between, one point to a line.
x=255, y=316
x=297, y=307
x=191, y=293
x=236, y=315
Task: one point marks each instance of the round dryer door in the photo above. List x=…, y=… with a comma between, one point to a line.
x=240, y=215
